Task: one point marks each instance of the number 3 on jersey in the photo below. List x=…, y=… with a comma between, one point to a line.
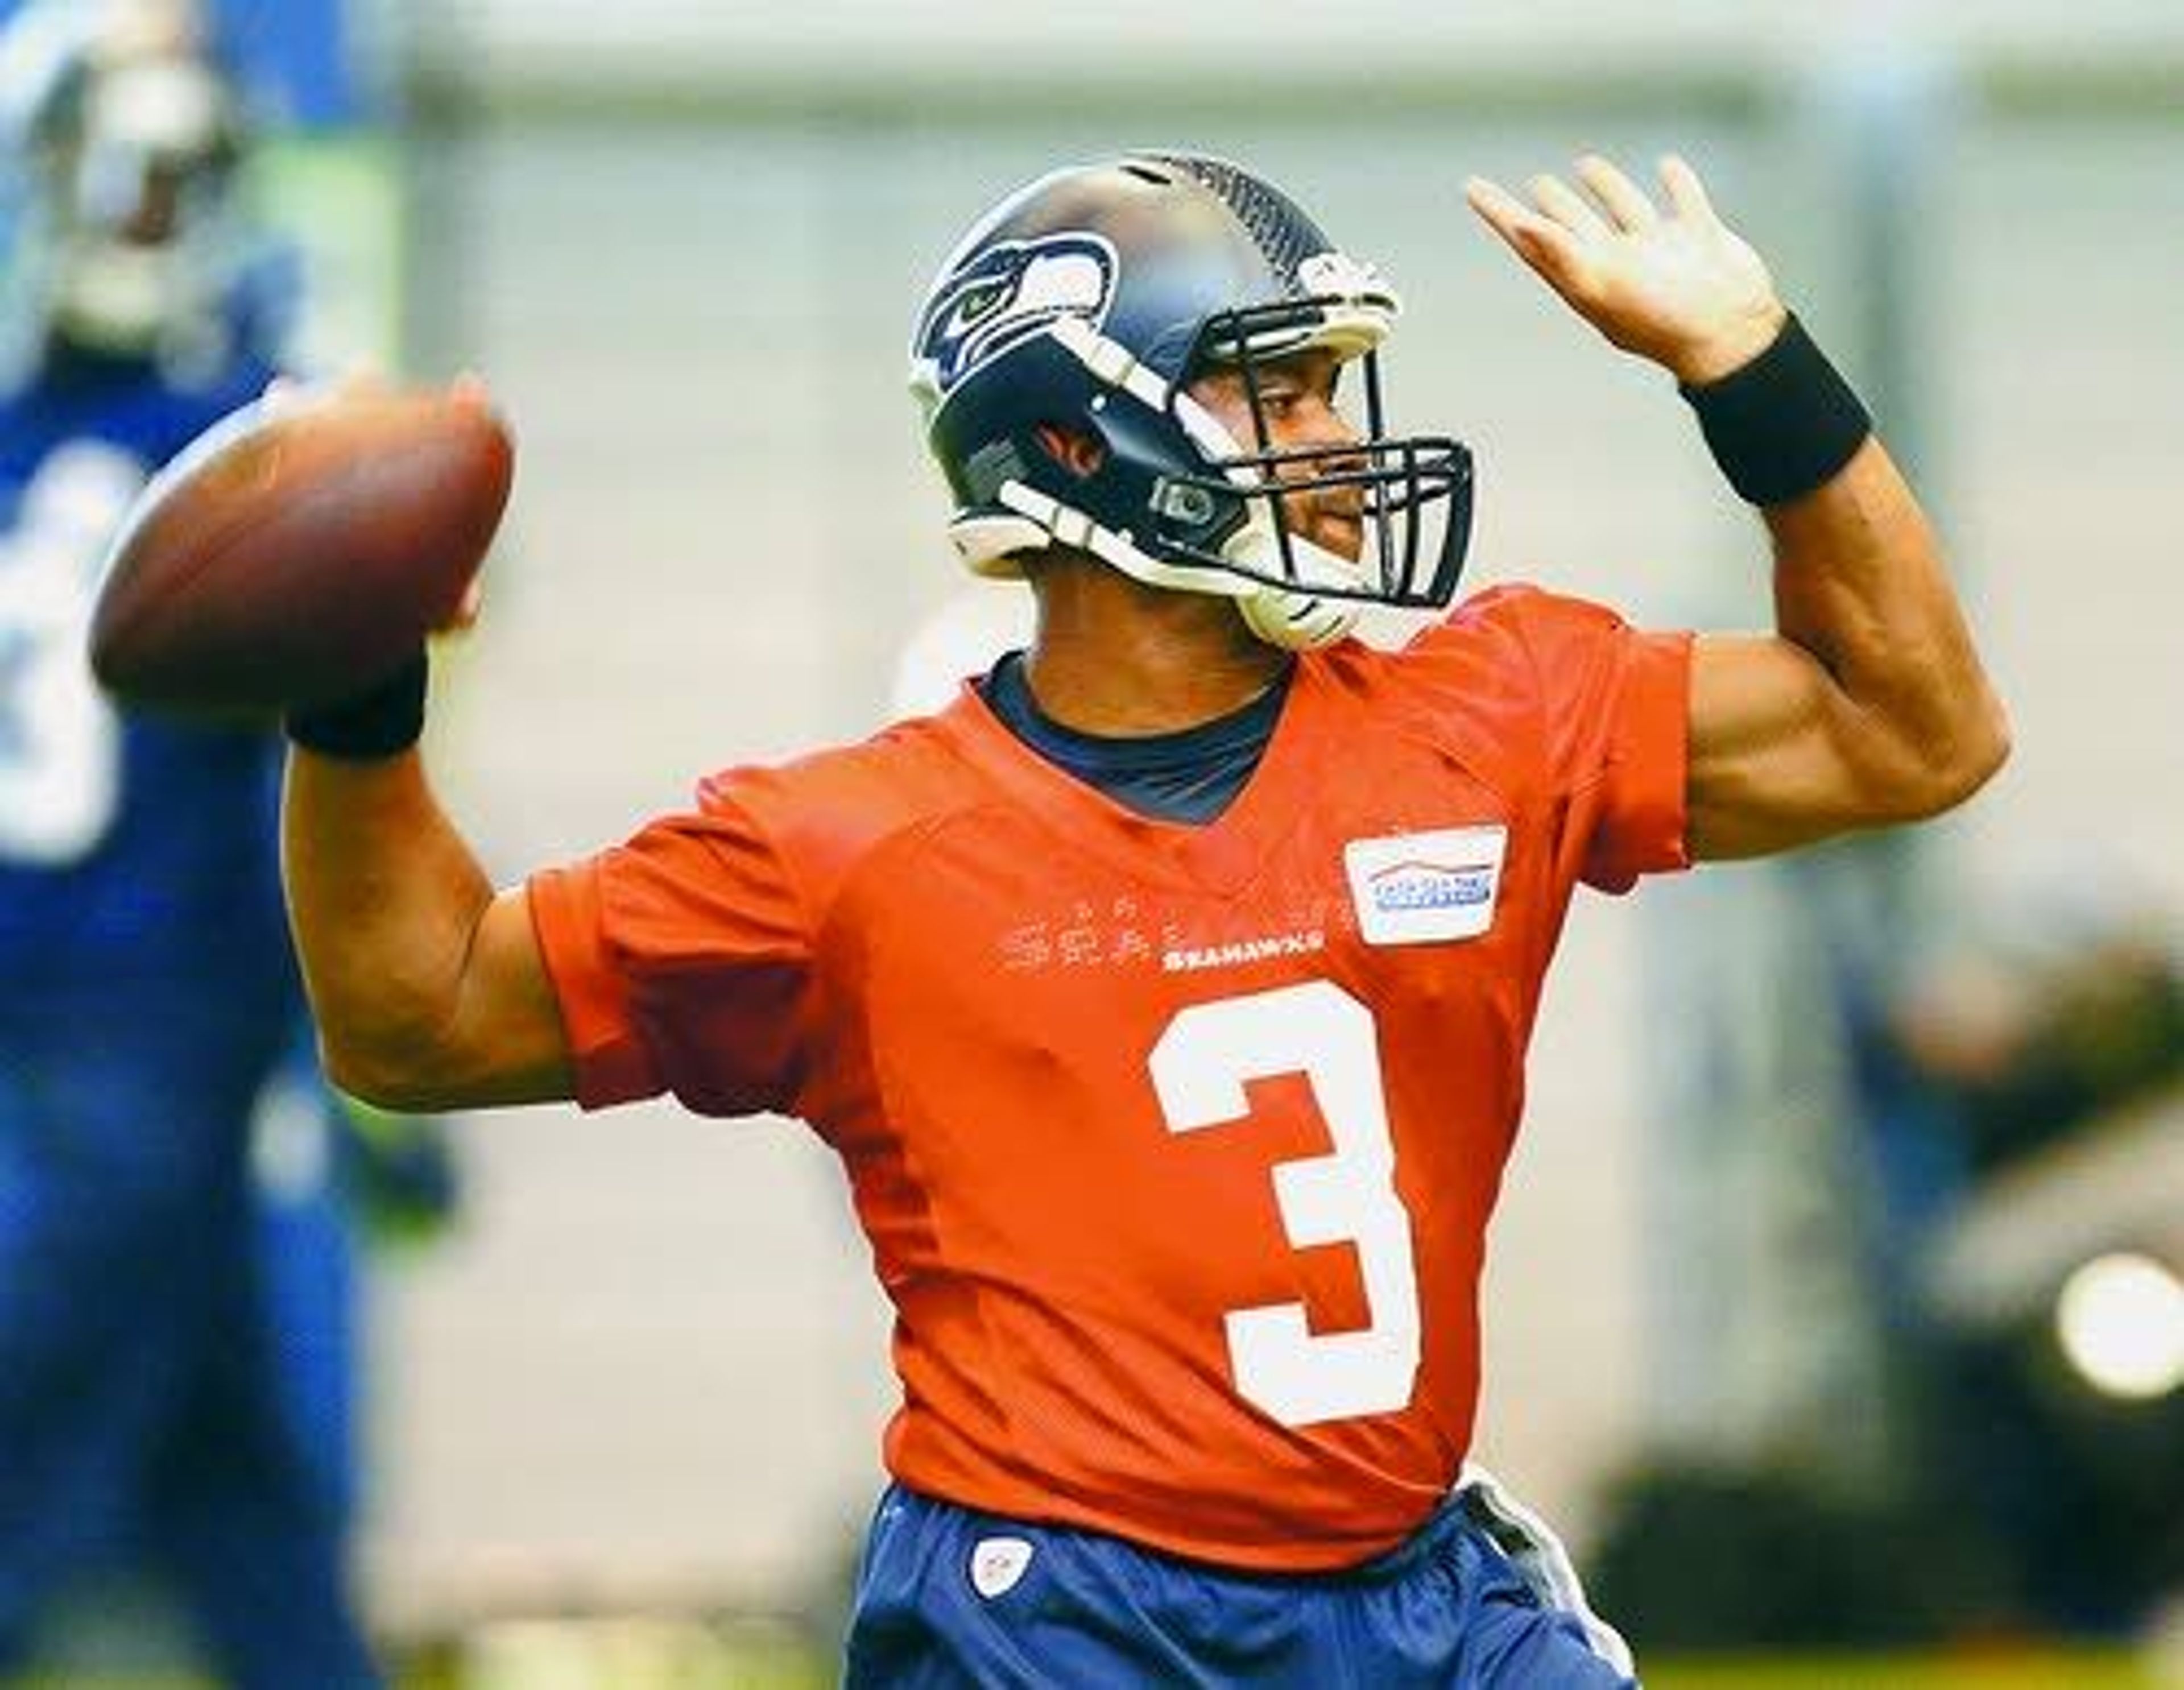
x=1198, y=1070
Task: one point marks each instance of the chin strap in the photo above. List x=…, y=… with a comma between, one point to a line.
x=1297, y=621
x=1289, y=617
x=1293, y=618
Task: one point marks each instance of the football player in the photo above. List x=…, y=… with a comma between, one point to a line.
x=1166, y=994
x=150, y=998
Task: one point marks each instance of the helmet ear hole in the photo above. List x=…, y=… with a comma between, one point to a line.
x=1082, y=454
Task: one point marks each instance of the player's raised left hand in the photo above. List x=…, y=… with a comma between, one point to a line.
x=1673, y=284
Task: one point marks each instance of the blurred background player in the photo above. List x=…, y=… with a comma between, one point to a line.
x=174, y=1331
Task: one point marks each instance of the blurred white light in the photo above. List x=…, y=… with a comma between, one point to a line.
x=2121, y=1321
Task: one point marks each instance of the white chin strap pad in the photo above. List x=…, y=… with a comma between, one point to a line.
x=1297, y=621
x=1296, y=618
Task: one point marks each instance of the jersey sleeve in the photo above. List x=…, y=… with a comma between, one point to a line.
x=1613, y=714
x=681, y=961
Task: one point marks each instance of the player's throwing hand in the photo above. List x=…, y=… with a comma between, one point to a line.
x=1674, y=285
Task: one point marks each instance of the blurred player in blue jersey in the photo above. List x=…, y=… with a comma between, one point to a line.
x=153, y=1408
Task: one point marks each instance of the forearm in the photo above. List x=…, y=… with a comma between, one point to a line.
x=1860, y=584
x=1867, y=705
x=386, y=900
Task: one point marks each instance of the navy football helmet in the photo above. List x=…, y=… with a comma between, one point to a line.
x=1090, y=300
x=121, y=138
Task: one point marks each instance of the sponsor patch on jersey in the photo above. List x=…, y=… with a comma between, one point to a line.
x=1423, y=889
x=998, y=1565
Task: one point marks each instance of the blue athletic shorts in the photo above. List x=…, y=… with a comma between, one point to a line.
x=949, y=1596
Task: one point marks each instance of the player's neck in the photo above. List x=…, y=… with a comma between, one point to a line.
x=1117, y=658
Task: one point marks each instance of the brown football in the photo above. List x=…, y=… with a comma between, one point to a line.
x=299, y=551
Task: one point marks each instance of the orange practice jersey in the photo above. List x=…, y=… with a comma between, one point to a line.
x=1175, y=1143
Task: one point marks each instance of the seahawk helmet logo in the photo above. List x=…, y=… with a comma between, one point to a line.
x=1003, y=295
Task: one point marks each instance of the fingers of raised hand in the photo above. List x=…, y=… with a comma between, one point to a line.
x=1540, y=241
x=1686, y=192
x=1567, y=206
x=1624, y=202
x=1616, y=202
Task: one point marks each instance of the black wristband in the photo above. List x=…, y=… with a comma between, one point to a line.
x=1785, y=423
x=382, y=721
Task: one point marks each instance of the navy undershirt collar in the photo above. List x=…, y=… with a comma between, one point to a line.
x=1190, y=776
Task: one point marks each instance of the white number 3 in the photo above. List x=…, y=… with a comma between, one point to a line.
x=1199, y=1068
